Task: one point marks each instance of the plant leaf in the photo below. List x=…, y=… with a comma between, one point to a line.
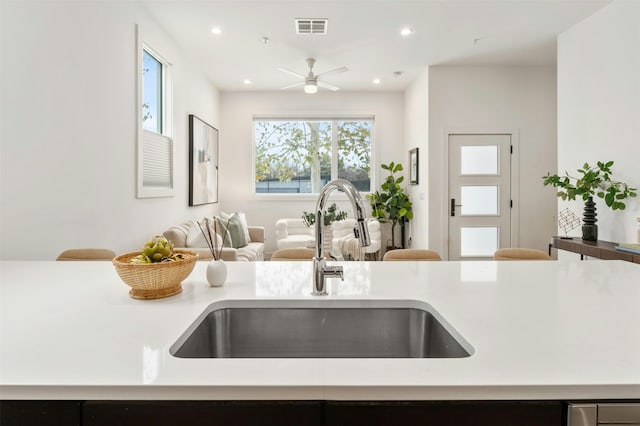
x=609, y=199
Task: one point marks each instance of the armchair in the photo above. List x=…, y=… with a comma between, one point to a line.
x=293, y=233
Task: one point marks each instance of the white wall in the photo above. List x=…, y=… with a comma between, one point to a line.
x=599, y=106
x=521, y=98
x=68, y=138
x=416, y=124
x=236, y=146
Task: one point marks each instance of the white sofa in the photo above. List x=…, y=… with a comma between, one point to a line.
x=293, y=233
x=253, y=251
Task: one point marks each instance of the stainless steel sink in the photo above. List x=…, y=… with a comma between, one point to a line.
x=320, y=329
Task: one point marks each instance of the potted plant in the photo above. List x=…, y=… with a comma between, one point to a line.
x=592, y=180
x=391, y=204
x=331, y=215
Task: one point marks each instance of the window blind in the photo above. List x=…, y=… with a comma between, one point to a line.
x=157, y=164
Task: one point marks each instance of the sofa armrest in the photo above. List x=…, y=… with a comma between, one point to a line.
x=178, y=234
x=375, y=231
x=282, y=230
x=256, y=234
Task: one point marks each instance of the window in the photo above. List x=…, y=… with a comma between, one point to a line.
x=155, y=145
x=302, y=155
x=151, y=93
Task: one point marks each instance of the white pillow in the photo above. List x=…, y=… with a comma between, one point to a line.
x=243, y=221
x=196, y=239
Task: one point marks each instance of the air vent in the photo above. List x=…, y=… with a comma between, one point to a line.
x=311, y=26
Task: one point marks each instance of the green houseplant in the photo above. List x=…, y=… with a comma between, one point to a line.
x=332, y=214
x=592, y=181
x=391, y=203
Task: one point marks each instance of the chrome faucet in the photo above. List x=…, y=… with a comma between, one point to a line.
x=320, y=269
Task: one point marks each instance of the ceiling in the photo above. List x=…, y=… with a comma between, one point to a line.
x=364, y=36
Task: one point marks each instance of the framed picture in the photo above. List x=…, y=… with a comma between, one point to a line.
x=203, y=162
x=413, y=166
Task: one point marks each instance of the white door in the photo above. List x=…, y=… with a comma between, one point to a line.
x=479, y=195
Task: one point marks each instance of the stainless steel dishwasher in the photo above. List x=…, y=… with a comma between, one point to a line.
x=594, y=414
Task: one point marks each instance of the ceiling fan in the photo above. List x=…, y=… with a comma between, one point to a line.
x=312, y=81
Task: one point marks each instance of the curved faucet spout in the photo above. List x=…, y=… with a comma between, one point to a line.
x=361, y=231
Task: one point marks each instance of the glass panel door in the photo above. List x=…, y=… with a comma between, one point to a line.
x=479, y=195
x=478, y=241
x=479, y=160
x=479, y=200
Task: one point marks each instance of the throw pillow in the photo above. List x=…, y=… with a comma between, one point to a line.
x=223, y=231
x=242, y=218
x=238, y=228
x=236, y=231
x=196, y=239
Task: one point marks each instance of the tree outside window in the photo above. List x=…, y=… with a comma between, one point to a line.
x=301, y=156
x=151, y=93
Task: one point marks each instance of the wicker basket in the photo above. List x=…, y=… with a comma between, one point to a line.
x=154, y=280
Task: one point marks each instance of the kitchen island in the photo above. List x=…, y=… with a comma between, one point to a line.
x=539, y=331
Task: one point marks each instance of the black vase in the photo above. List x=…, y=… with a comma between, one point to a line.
x=589, y=227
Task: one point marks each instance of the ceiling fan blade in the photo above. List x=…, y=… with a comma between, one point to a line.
x=301, y=83
x=337, y=70
x=326, y=85
x=288, y=71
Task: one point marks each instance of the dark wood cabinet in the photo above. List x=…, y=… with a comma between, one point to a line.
x=282, y=413
x=196, y=413
x=40, y=413
x=444, y=413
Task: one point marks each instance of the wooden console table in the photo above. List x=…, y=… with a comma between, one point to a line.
x=599, y=249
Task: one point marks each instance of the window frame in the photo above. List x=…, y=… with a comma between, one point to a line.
x=146, y=190
x=334, y=158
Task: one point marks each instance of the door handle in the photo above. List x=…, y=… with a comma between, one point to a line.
x=453, y=206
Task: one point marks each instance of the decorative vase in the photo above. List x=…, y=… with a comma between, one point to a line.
x=216, y=272
x=589, y=227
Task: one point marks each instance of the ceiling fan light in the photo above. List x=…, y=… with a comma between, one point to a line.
x=406, y=31
x=310, y=88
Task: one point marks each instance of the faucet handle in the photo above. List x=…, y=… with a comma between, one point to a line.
x=333, y=271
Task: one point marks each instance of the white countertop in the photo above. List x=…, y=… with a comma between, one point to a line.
x=539, y=330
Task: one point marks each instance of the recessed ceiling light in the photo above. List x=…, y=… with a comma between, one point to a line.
x=247, y=81
x=376, y=81
x=216, y=30
x=406, y=31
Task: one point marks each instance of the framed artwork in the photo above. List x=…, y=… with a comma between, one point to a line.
x=203, y=162
x=413, y=166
